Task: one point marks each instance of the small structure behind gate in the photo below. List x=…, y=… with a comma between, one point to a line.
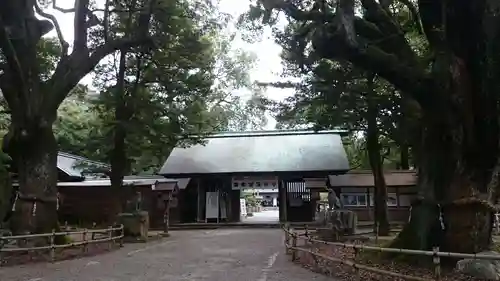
x=229, y=162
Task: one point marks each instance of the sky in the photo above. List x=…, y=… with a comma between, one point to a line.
x=268, y=66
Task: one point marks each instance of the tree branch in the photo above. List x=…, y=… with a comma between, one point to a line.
x=64, y=44
x=281, y=85
x=62, y=10
x=70, y=71
x=380, y=45
x=105, y=21
x=395, y=38
x=80, y=26
x=407, y=78
x=414, y=13
x=14, y=70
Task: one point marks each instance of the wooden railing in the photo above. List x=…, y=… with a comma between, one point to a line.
x=292, y=238
x=88, y=236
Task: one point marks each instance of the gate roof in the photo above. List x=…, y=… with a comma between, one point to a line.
x=260, y=152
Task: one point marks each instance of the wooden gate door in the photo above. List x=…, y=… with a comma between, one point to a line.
x=298, y=205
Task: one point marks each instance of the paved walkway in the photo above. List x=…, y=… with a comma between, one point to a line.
x=266, y=216
x=215, y=255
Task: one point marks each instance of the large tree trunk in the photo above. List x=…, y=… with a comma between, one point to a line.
x=458, y=95
x=34, y=150
x=453, y=209
x=118, y=153
x=6, y=196
x=381, y=225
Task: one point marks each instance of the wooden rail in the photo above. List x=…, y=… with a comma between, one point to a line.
x=292, y=236
x=87, y=235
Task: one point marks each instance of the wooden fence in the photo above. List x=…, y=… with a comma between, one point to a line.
x=86, y=237
x=292, y=237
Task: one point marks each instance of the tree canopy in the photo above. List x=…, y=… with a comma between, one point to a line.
x=444, y=69
x=172, y=61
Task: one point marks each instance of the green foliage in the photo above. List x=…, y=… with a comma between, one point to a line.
x=332, y=94
x=251, y=199
x=175, y=94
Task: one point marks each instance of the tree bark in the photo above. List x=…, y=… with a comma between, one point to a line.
x=34, y=150
x=6, y=196
x=458, y=97
x=118, y=153
x=33, y=103
x=381, y=225
x=452, y=210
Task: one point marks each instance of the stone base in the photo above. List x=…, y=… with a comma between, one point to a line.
x=337, y=223
x=135, y=225
x=482, y=269
x=345, y=221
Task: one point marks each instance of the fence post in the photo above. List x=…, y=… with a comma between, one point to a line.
x=285, y=241
x=53, y=246
x=289, y=231
x=122, y=234
x=84, y=238
x=1, y=254
x=93, y=232
x=111, y=240
x=3, y=241
x=437, y=263
x=306, y=234
x=377, y=226
x=356, y=269
x=294, y=245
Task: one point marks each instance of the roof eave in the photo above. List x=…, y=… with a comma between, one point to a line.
x=303, y=174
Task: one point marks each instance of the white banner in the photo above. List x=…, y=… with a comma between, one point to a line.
x=212, y=205
x=243, y=207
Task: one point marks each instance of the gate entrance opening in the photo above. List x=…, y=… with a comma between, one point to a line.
x=259, y=199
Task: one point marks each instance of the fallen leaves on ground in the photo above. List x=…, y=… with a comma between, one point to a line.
x=347, y=273
x=17, y=258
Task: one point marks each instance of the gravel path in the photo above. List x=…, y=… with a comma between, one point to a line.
x=215, y=255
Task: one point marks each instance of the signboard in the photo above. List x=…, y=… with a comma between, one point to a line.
x=239, y=183
x=243, y=207
x=315, y=183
